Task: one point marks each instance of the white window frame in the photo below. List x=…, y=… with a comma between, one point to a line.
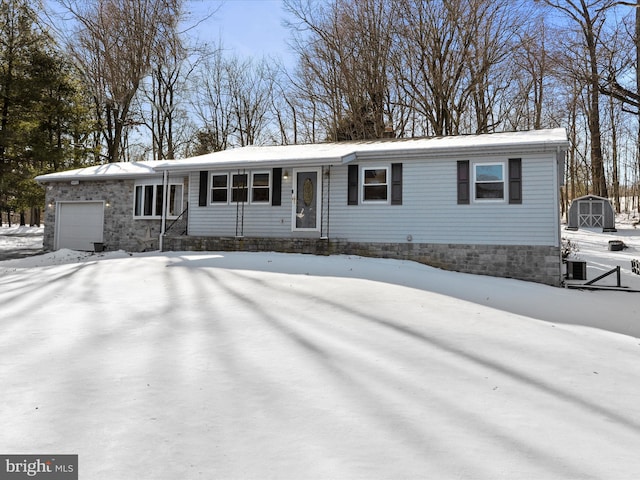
x=363, y=184
x=232, y=188
x=227, y=188
x=155, y=215
x=267, y=187
x=476, y=181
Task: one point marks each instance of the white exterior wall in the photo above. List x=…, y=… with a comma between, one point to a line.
x=429, y=213
x=220, y=220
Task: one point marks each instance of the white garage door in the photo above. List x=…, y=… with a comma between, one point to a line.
x=79, y=224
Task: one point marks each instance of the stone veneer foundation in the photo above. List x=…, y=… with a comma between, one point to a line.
x=540, y=264
x=122, y=232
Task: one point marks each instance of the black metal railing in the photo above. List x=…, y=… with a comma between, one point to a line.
x=173, y=223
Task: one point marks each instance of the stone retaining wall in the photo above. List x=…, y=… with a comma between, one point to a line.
x=532, y=263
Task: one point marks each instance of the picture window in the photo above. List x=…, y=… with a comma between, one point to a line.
x=148, y=201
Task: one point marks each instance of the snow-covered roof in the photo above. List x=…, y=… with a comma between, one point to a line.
x=326, y=153
x=345, y=152
x=111, y=171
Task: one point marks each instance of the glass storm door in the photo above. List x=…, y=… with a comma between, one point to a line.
x=306, y=201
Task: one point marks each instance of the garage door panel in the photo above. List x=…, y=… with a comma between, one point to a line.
x=79, y=225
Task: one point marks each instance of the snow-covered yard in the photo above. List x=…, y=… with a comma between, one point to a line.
x=264, y=365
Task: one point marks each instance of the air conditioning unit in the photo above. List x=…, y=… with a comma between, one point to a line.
x=576, y=270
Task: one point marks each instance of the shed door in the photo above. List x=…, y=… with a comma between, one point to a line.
x=590, y=213
x=79, y=224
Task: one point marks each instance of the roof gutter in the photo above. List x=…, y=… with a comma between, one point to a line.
x=163, y=222
x=182, y=166
x=462, y=151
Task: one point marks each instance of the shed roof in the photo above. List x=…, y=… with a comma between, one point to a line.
x=327, y=153
x=591, y=197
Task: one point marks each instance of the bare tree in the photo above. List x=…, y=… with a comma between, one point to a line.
x=493, y=33
x=164, y=101
x=344, y=49
x=589, y=17
x=212, y=104
x=250, y=90
x=116, y=43
x=232, y=102
x=451, y=60
x=531, y=76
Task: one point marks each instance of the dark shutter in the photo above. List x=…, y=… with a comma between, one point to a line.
x=276, y=187
x=352, y=181
x=204, y=189
x=396, y=184
x=515, y=180
x=463, y=182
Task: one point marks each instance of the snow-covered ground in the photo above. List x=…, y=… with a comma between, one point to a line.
x=264, y=365
x=19, y=241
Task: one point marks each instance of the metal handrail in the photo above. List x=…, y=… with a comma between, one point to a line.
x=175, y=220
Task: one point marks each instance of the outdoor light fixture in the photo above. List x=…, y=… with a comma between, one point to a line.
x=286, y=175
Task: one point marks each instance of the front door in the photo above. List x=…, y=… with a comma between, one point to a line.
x=306, y=200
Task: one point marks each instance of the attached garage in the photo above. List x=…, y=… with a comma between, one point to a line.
x=79, y=225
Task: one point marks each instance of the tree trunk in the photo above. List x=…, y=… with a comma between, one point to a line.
x=597, y=163
x=614, y=157
x=637, y=35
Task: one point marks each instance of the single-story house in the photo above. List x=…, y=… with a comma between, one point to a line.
x=591, y=211
x=486, y=204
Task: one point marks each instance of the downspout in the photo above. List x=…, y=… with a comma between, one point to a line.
x=328, y=174
x=321, y=201
x=560, y=159
x=163, y=221
x=240, y=204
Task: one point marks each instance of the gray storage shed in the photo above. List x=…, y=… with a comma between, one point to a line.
x=591, y=211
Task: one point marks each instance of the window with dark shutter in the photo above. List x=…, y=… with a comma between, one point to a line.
x=352, y=181
x=276, y=187
x=515, y=181
x=463, y=182
x=396, y=184
x=204, y=189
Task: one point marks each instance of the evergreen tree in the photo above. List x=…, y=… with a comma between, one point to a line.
x=43, y=117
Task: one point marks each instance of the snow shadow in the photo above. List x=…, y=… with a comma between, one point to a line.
x=617, y=312
x=371, y=385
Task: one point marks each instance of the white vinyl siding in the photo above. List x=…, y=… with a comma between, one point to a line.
x=429, y=212
x=254, y=219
